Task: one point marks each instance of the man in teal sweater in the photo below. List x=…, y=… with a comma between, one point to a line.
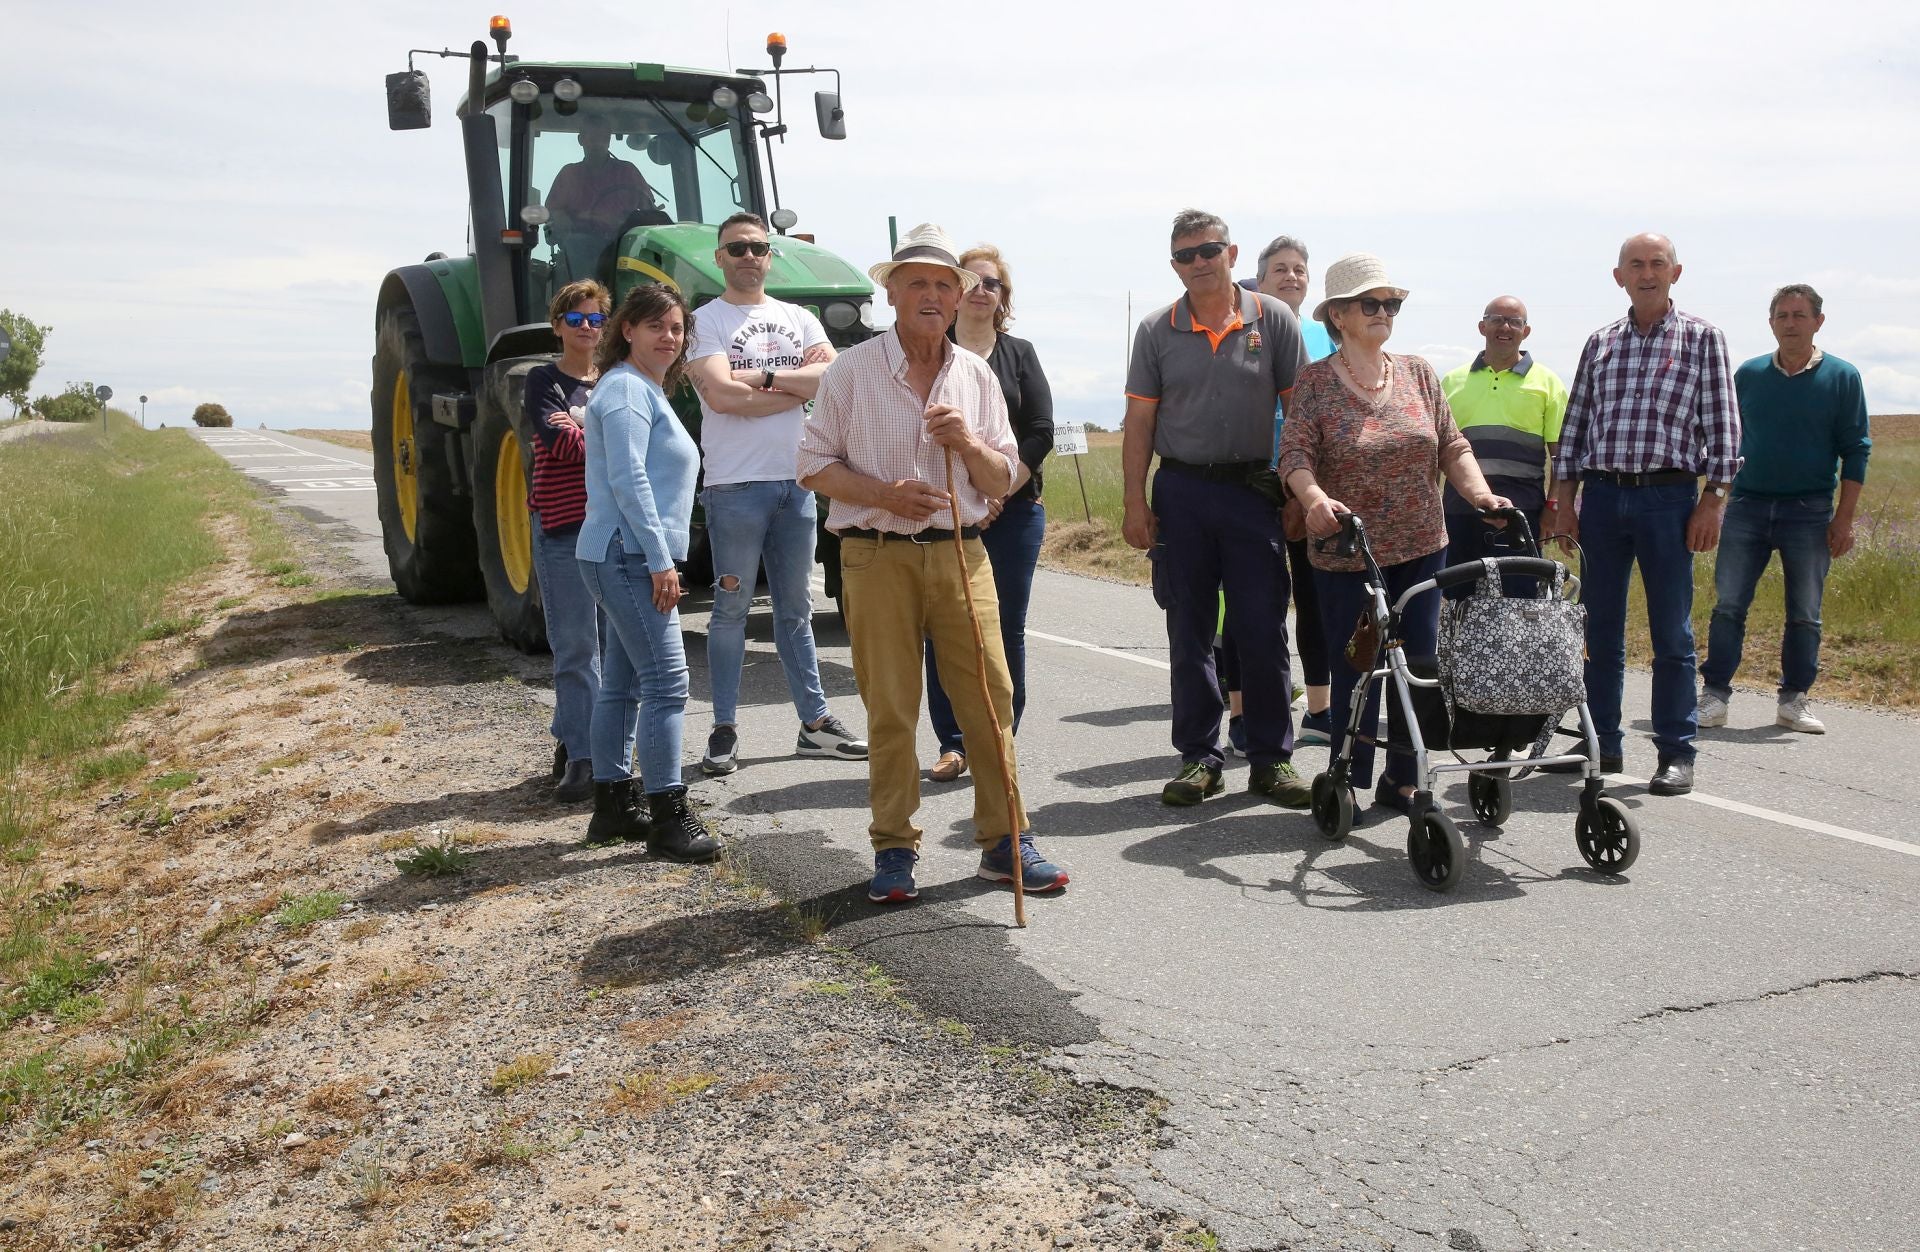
x=1803, y=416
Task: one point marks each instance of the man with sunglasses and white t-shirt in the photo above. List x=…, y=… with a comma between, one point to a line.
x=755, y=362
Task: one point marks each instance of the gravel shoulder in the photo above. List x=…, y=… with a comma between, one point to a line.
x=552, y=1047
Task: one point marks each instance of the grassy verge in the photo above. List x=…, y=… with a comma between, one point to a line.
x=360, y=439
x=1871, y=612
x=95, y=531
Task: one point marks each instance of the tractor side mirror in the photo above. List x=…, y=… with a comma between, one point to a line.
x=409, y=102
x=832, y=118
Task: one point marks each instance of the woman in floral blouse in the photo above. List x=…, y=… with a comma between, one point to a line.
x=1369, y=432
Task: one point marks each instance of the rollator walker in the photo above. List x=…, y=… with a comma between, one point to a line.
x=1605, y=831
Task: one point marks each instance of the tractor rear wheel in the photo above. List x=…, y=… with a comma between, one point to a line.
x=427, y=528
x=502, y=467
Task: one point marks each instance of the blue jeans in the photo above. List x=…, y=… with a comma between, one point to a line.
x=1752, y=531
x=1216, y=536
x=1342, y=599
x=748, y=523
x=1013, y=549
x=1618, y=527
x=643, y=673
x=574, y=630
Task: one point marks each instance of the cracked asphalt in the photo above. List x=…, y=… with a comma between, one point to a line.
x=1713, y=1052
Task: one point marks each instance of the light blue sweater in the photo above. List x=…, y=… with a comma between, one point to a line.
x=641, y=469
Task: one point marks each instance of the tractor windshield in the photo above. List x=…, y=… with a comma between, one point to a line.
x=609, y=164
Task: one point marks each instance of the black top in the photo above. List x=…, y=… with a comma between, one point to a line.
x=1029, y=404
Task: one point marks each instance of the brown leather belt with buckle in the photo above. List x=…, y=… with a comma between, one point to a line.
x=918, y=536
x=1652, y=478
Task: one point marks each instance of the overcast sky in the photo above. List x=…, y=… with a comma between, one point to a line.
x=202, y=198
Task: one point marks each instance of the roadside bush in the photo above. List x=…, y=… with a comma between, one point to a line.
x=75, y=404
x=212, y=415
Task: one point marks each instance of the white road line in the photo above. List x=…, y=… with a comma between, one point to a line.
x=1092, y=647
x=1806, y=824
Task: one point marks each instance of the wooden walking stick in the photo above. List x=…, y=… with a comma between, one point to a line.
x=986, y=698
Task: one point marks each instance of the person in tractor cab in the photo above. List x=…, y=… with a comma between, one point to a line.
x=591, y=199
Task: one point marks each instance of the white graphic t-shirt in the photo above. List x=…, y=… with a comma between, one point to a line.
x=771, y=335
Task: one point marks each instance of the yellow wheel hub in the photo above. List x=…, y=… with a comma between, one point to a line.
x=510, y=514
x=406, y=461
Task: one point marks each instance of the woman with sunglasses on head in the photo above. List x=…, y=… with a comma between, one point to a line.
x=556, y=404
x=641, y=467
x=1016, y=524
x=1369, y=432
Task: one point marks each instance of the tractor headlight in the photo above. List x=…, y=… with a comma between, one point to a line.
x=784, y=219
x=524, y=91
x=841, y=314
x=724, y=97
x=866, y=314
x=535, y=214
x=760, y=102
x=567, y=90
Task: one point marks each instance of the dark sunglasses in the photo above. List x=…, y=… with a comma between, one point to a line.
x=576, y=320
x=740, y=247
x=1207, y=251
x=1369, y=306
x=991, y=284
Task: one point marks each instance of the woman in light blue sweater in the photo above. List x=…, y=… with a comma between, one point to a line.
x=641, y=469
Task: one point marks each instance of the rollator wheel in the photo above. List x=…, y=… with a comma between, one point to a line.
x=1332, y=807
x=1438, y=853
x=1491, y=796
x=1608, y=836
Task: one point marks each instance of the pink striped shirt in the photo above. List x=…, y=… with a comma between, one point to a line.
x=869, y=419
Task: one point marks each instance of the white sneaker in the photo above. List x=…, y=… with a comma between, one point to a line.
x=1793, y=715
x=1713, y=709
x=830, y=738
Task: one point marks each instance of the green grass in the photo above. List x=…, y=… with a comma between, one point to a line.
x=113, y=767
x=303, y=911
x=434, y=860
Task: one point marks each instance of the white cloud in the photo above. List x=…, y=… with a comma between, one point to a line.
x=1890, y=390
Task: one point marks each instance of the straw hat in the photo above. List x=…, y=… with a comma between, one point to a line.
x=1355, y=275
x=925, y=244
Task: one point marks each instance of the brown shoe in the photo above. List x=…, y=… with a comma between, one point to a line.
x=949, y=767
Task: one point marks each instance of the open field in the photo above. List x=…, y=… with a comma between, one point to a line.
x=360, y=439
x=1871, y=651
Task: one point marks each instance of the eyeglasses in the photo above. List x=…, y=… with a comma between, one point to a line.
x=740, y=247
x=1204, y=251
x=991, y=284
x=575, y=321
x=1390, y=306
x=1517, y=323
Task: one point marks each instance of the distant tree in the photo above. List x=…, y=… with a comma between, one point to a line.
x=75, y=404
x=17, y=371
x=1094, y=426
x=212, y=415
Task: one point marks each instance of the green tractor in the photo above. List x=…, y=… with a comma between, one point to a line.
x=454, y=337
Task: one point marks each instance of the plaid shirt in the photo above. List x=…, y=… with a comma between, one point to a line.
x=869, y=419
x=1662, y=400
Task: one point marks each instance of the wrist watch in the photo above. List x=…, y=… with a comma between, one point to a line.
x=766, y=383
x=1717, y=489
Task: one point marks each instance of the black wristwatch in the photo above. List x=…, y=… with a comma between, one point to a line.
x=766, y=383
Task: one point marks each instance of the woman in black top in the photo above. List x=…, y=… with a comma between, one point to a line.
x=1015, y=525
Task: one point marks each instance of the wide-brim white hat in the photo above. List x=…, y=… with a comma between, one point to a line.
x=1355, y=275
x=925, y=244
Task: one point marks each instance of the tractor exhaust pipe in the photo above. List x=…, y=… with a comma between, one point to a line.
x=490, y=256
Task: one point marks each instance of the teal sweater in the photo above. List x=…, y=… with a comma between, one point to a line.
x=641, y=469
x=1795, y=431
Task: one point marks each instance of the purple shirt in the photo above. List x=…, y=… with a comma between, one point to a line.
x=1653, y=401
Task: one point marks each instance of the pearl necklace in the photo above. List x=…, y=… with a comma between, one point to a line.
x=1386, y=372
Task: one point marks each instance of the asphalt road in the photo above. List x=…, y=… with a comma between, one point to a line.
x=1713, y=1052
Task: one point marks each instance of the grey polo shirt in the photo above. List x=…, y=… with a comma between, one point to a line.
x=1217, y=395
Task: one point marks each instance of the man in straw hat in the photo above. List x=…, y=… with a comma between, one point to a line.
x=1207, y=374
x=892, y=415
x=1651, y=411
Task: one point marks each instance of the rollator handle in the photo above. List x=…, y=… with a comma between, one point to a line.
x=1518, y=520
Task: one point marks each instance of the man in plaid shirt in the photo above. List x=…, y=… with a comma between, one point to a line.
x=1651, y=410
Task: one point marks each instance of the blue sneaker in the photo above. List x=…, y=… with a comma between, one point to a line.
x=1037, y=873
x=1315, y=728
x=893, y=877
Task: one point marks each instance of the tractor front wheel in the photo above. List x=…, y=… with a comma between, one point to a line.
x=502, y=467
x=427, y=528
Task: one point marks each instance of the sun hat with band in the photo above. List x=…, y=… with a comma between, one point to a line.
x=1352, y=276
x=925, y=244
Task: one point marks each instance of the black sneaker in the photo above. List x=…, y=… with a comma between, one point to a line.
x=1195, y=782
x=1281, y=783
x=830, y=738
x=722, y=746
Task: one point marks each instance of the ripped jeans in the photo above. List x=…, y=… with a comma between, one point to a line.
x=748, y=523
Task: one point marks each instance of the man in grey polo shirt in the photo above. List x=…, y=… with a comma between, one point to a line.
x=1206, y=375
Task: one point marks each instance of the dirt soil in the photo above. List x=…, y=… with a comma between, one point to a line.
x=554, y=1047
x=361, y=439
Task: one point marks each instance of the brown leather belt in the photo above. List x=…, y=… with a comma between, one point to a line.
x=918, y=536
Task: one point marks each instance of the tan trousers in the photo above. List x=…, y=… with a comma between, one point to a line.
x=897, y=595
